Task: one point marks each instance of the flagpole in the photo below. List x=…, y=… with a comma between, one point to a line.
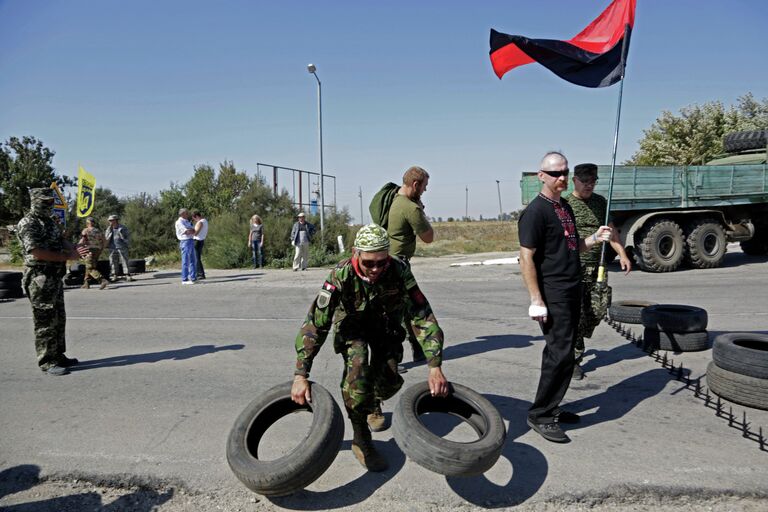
x=601, y=270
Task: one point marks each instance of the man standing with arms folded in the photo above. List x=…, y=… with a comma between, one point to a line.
x=407, y=220
x=589, y=209
x=185, y=233
x=551, y=270
x=118, y=240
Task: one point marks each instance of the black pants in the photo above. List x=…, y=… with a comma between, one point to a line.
x=557, y=359
x=199, y=244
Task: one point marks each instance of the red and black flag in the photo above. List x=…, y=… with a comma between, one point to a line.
x=593, y=58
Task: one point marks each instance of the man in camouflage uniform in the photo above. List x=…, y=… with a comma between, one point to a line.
x=93, y=239
x=45, y=257
x=589, y=210
x=365, y=299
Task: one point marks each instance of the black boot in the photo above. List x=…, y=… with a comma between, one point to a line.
x=362, y=447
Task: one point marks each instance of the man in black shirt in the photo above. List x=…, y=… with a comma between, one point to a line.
x=549, y=261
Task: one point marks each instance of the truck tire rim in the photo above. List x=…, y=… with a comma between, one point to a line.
x=666, y=246
x=711, y=244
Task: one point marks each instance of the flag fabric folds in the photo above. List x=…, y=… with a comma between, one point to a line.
x=592, y=58
x=86, y=192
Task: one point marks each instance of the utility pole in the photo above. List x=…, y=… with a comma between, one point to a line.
x=498, y=188
x=466, y=203
x=360, y=195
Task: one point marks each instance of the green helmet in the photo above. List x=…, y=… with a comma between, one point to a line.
x=372, y=238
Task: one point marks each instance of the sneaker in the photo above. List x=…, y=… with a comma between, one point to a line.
x=549, y=431
x=130, y=279
x=187, y=282
x=66, y=362
x=578, y=373
x=567, y=417
x=376, y=419
x=85, y=286
x=56, y=370
x=103, y=284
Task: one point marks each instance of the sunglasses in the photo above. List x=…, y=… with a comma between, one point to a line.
x=555, y=174
x=588, y=182
x=371, y=264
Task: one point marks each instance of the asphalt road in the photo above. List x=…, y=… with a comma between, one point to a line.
x=165, y=369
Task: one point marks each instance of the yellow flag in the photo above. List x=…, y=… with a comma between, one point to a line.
x=86, y=192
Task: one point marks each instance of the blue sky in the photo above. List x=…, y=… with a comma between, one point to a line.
x=140, y=92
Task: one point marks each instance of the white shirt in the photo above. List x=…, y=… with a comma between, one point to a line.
x=182, y=225
x=203, y=230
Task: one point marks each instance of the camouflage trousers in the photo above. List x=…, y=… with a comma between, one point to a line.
x=119, y=257
x=90, y=265
x=370, y=375
x=45, y=290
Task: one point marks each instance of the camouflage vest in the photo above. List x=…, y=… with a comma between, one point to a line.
x=590, y=215
x=37, y=231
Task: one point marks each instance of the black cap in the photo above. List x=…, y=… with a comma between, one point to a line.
x=585, y=171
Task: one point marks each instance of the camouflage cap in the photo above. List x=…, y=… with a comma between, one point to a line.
x=372, y=238
x=113, y=217
x=41, y=195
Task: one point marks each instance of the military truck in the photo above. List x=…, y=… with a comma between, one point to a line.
x=686, y=215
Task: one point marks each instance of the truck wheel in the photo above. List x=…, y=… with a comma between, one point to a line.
x=740, y=389
x=662, y=246
x=304, y=464
x=742, y=141
x=706, y=244
x=742, y=352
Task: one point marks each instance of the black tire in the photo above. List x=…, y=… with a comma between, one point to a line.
x=758, y=244
x=304, y=464
x=628, y=311
x=706, y=244
x=11, y=293
x=440, y=455
x=741, y=141
x=74, y=279
x=674, y=318
x=661, y=246
x=77, y=268
x=745, y=353
x=137, y=266
x=10, y=279
x=676, y=341
x=740, y=389
x=104, y=268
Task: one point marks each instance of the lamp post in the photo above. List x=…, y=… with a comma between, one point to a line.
x=498, y=188
x=312, y=71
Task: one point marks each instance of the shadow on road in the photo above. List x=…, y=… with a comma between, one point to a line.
x=623, y=352
x=351, y=493
x=153, y=357
x=26, y=476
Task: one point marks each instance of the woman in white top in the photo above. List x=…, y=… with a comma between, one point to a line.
x=256, y=241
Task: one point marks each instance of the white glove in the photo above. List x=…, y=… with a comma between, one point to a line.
x=534, y=311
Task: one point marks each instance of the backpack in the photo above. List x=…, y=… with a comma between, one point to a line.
x=381, y=202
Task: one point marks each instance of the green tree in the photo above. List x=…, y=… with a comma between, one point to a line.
x=150, y=224
x=24, y=163
x=696, y=134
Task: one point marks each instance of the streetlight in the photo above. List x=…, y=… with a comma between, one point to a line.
x=498, y=188
x=312, y=71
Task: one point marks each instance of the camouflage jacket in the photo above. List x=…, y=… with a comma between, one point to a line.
x=373, y=312
x=589, y=215
x=37, y=231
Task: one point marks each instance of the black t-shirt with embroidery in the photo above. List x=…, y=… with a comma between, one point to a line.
x=549, y=227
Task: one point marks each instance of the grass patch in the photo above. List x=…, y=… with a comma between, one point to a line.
x=470, y=238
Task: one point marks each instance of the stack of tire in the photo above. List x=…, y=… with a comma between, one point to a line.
x=134, y=267
x=739, y=368
x=10, y=285
x=675, y=327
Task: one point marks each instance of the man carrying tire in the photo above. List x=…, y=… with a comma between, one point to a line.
x=365, y=298
x=589, y=211
x=551, y=270
x=45, y=257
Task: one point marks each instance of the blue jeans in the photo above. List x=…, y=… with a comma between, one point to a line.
x=188, y=263
x=257, y=254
